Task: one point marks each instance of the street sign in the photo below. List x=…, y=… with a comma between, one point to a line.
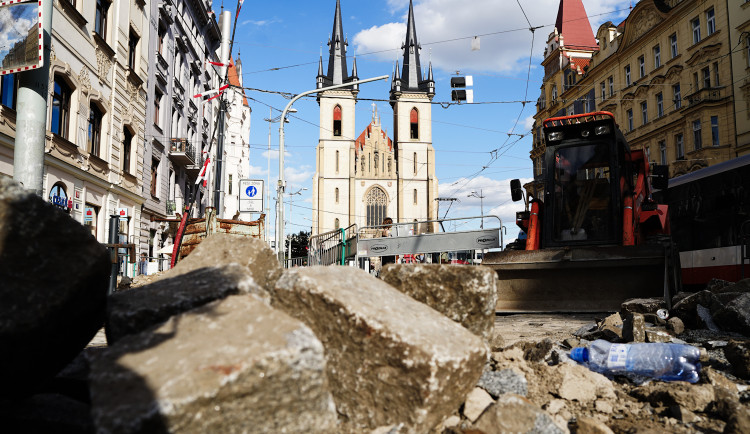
x=251, y=195
x=21, y=30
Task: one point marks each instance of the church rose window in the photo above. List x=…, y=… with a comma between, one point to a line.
x=337, y=120
x=376, y=202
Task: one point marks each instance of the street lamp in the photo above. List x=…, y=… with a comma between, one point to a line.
x=281, y=185
x=481, y=205
x=291, y=196
x=271, y=119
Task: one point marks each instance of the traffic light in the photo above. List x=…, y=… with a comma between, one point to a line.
x=459, y=93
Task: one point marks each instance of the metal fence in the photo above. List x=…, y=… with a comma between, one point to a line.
x=333, y=247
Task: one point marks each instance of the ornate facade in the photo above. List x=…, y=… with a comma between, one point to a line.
x=361, y=179
x=664, y=72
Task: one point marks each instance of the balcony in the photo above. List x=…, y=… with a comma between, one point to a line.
x=183, y=153
x=708, y=94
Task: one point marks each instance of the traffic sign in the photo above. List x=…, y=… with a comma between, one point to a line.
x=251, y=195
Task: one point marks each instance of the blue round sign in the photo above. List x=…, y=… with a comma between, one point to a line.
x=251, y=191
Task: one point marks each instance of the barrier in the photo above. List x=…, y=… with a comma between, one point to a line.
x=333, y=247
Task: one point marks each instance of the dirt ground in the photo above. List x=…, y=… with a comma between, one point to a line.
x=537, y=327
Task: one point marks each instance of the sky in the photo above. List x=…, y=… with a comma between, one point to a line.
x=479, y=147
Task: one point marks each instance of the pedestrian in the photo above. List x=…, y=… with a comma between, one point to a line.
x=143, y=265
x=386, y=232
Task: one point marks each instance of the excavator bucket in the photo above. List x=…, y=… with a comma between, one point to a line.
x=578, y=279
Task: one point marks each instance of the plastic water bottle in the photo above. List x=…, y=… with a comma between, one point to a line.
x=668, y=362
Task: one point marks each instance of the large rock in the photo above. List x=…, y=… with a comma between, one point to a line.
x=54, y=278
x=688, y=309
x=738, y=354
x=693, y=397
x=513, y=413
x=642, y=305
x=467, y=295
x=222, y=249
x=498, y=383
x=230, y=366
x=735, y=316
x=133, y=311
x=390, y=358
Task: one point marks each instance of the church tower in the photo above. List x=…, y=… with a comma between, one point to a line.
x=334, y=172
x=411, y=98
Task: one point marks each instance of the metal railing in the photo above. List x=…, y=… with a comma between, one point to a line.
x=333, y=247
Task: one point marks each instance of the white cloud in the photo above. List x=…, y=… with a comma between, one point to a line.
x=275, y=154
x=298, y=175
x=528, y=123
x=260, y=23
x=502, y=50
x=257, y=171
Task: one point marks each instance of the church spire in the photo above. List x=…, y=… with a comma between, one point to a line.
x=337, y=70
x=411, y=74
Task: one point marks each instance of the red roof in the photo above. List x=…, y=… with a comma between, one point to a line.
x=579, y=63
x=234, y=80
x=360, y=142
x=574, y=25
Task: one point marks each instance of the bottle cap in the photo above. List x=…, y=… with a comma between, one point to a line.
x=580, y=354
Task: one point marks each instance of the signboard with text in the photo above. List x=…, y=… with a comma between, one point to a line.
x=251, y=195
x=21, y=36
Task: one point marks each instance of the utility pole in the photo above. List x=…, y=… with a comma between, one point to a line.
x=481, y=205
x=31, y=120
x=224, y=23
x=268, y=183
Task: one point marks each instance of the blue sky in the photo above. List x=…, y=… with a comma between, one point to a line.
x=280, y=43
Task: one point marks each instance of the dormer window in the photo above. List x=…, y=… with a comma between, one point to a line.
x=337, y=121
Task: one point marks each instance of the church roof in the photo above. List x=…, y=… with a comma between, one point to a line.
x=366, y=133
x=234, y=78
x=573, y=23
x=337, y=43
x=410, y=79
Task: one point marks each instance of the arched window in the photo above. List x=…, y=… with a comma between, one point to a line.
x=127, y=140
x=415, y=163
x=337, y=195
x=60, y=107
x=337, y=120
x=415, y=196
x=336, y=224
x=337, y=161
x=414, y=123
x=376, y=202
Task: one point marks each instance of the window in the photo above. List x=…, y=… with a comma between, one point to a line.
x=659, y=105
x=673, y=45
x=94, y=129
x=641, y=67
x=414, y=124
x=157, y=108
x=706, y=77
x=716, y=74
x=679, y=147
x=630, y=119
x=127, y=140
x=100, y=19
x=657, y=56
x=644, y=112
x=376, y=201
x=132, y=49
x=337, y=120
x=677, y=96
x=8, y=90
x=336, y=194
x=415, y=196
x=337, y=161
x=154, y=176
x=627, y=75
x=90, y=217
x=336, y=224
x=554, y=93
x=663, y=152
x=604, y=96
x=698, y=143
x=60, y=108
x=710, y=22
x=611, y=86
x=715, y=130
x=162, y=35
x=415, y=163
x=229, y=187
x=696, y=24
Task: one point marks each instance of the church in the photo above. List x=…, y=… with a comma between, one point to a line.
x=363, y=178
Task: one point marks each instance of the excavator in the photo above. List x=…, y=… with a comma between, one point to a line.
x=594, y=234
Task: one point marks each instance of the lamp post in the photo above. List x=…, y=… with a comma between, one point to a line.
x=282, y=185
x=291, y=197
x=481, y=205
x=271, y=119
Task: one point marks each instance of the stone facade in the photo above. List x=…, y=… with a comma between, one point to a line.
x=664, y=73
x=739, y=26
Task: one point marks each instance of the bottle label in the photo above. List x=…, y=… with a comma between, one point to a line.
x=618, y=353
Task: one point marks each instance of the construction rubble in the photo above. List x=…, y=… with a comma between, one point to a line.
x=229, y=342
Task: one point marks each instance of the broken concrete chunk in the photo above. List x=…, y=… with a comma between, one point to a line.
x=54, y=278
x=738, y=354
x=578, y=383
x=642, y=305
x=497, y=383
x=657, y=336
x=391, y=359
x=222, y=249
x=676, y=326
x=634, y=328
x=588, y=425
x=687, y=309
x=476, y=402
x=735, y=316
x=513, y=413
x=233, y=365
x=467, y=295
x=692, y=397
x=135, y=310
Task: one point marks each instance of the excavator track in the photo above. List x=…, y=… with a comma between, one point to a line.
x=577, y=279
